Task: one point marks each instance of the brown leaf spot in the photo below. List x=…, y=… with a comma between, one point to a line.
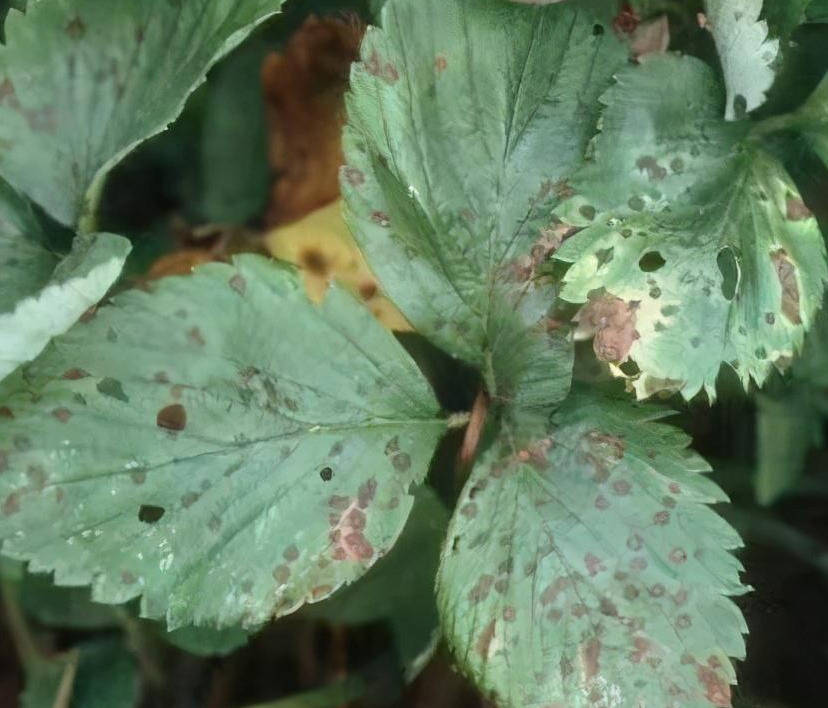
x=509, y=614
x=12, y=504
x=611, y=322
x=621, y=487
x=195, y=336
x=551, y=592
x=291, y=553
x=238, y=283
x=635, y=542
x=357, y=546
x=36, y=476
x=648, y=164
x=601, y=503
x=214, y=524
x=678, y=556
x=469, y=510
x=6, y=412
x=321, y=591
x=353, y=176
x=684, y=621
x=74, y=374
x=189, y=498
x=796, y=210
x=381, y=219
x=593, y=564
x=588, y=654
x=281, y=574
x=62, y=414
x=138, y=476
x=661, y=518
x=717, y=690
x=366, y=493
x=481, y=589
x=786, y=272
x=675, y=488
x=172, y=417
x=401, y=462
x=128, y=578
x=484, y=641
x=76, y=29
x=440, y=63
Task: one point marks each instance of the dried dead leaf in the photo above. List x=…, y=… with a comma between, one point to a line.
x=322, y=246
x=611, y=322
x=304, y=87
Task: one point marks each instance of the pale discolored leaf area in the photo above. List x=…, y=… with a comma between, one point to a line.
x=700, y=238
x=586, y=569
x=40, y=294
x=83, y=82
x=746, y=52
x=221, y=447
x=459, y=142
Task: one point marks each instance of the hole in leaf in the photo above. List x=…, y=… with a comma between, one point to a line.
x=149, y=514
x=651, y=262
x=729, y=269
x=598, y=30
x=630, y=368
x=326, y=473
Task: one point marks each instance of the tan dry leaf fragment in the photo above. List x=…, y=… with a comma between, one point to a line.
x=304, y=87
x=651, y=37
x=786, y=272
x=322, y=246
x=611, y=322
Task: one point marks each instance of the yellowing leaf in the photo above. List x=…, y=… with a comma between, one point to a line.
x=321, y=245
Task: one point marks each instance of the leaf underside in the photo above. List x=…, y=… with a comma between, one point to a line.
x=221, y=447
x=83, y=82
x=41, y=295
x=586, y=569
x=699, y=233
x=459, y=143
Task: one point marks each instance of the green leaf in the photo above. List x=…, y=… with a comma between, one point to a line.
x=221, y=447
x=63, y=607
x=40, y=295
x=400, y=588
x=205, y=641
x=812, y=120
x=82, y=83
x=787, y=428
x=586, y=569
x=784, y=16
x=703, y=248
x=234, y=139
x=817, y=11
x=746, y=53
x=98, y=674
x=466, y=117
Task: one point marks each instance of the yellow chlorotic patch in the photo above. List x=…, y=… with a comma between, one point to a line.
x=321, y=245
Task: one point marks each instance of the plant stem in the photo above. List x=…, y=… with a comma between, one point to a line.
x=21, y=635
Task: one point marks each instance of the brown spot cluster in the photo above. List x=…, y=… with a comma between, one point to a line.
x=377, y=66
x=549, y=240
x=786, y=272
x=347, y=520
x=611, y=322
x=401, y=461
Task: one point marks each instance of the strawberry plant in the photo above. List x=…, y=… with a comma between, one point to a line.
x=215, y=451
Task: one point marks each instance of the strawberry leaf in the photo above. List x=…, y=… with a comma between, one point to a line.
x=83, y=82
x=703, y=249
x=586, y=569
x=221, y=447
x=459, y=143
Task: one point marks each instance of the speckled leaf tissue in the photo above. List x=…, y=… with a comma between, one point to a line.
x=227, y=451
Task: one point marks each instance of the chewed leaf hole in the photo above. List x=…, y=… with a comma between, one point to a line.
x=729, y=268
x=149, y=514
x=651, y=261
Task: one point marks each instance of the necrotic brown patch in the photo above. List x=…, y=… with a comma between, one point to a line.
x=786, y=272
x=172, y=417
